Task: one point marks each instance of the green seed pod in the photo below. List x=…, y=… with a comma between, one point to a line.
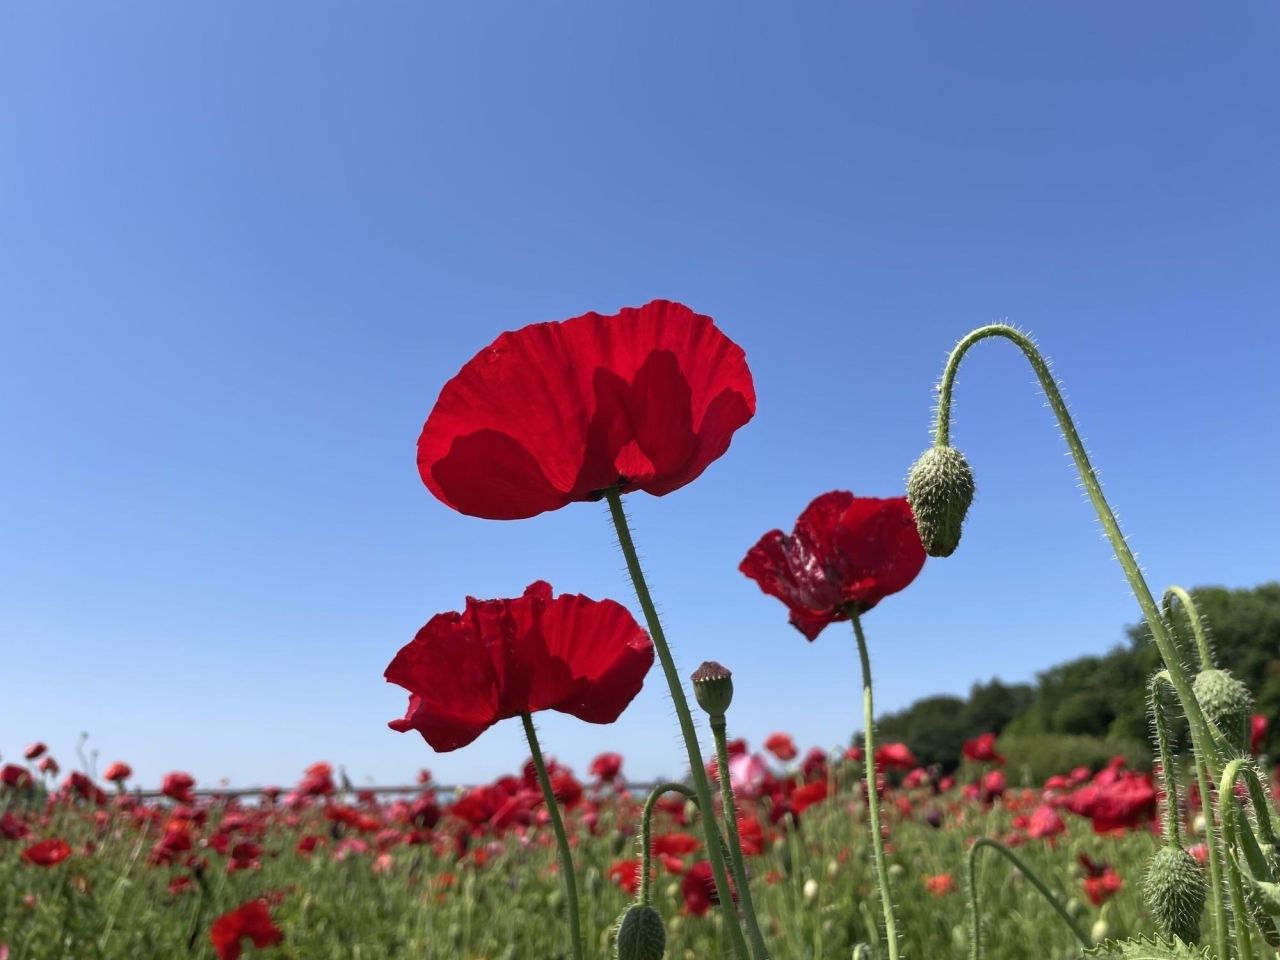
x=641, y=935
x=713, y=687
x=1175, y=892
x=1227, y=703
x=940, y=489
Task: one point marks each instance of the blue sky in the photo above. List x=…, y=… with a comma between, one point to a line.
x=242, y=246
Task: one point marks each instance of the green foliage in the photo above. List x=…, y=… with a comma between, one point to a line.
x=1144, y=949
x=1033, y=758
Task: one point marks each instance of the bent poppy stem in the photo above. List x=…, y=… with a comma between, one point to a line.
x=1197, y=625
x=975, y=918
x=873, y=798
x=646, y=832
x=1164, y=753
x=1206, y=744
x=698, y=772
x=735, y=842
x=562, y=841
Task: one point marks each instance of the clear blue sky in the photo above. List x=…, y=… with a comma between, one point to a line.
x=242, y=245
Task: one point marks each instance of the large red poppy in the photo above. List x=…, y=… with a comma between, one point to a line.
x=558, y=412
x=252, y=920
x=502, y=658
x=844, y=550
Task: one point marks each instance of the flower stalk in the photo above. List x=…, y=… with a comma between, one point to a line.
x=718, y=731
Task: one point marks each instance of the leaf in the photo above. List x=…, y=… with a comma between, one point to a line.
x=1144, y=949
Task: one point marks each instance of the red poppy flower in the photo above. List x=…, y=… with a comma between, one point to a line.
x=1121, y=804
x=781, y=746
x=676, y=844
x=47, y=853
x=898, y=755
x=49, y=766
x=252, y=920
x=844, y=550
x=503, y=658
x=982, y=749
x=34, y=751
x=554, y=413
x=606, y=767
x=15, y=777
x=317, y=781
x=699, y=889
x=1101, y=882
x=178, y=787
x=1257, y=732
x=1045, y=823
x=626, y=874
x=11, y=828
x=941, y=885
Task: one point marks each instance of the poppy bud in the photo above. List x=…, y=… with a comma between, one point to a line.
x=1227, y=703
x=940, y=489
x=641, y=935
x=713, y=686
x=1175, y=892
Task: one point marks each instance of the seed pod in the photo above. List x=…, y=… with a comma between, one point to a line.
x=1175, y=892
x=1227, y=703
x=940, y=489
x=713, y=688
x=641, y=935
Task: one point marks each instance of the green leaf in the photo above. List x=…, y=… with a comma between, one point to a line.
x=1144, y=949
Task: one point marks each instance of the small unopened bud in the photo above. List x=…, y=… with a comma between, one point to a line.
x=1175, y=892
x=713, y=687
x=940, y=489
x=1099, y=931
x=810, y=890
x=641, y=935
x=1227, y=703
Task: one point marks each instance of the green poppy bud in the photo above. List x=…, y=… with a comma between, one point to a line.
x=713, y=686
x=1175, y=892
x=1227, y=703
x=641, y=935
x=940, y=489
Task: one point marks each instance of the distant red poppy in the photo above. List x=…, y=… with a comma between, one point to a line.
x=554, y=413
x=1101, y=882
x=941, y=885
x=178, y=786
x=11, y=828
x=317, y=781
x=252, y=920
x=844, y=550
x=781, y=746
x=626, y=874
x=895, y=755
x=47, y=853
x=676, y=844
x=982, y=749
x=699, y=889
x=49, y=766
x=34, y=751
x=1257, y=732
x=1124, y=803
x=855, y=754
x=15, y=777
x=118, y=772
x=993, y=785
x=1045, y=823
x=802, y=798
x=606, y=767
x=502, y=658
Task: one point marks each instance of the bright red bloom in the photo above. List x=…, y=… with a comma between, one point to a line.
x=699, y=889
x=178, y=786
x=502, y=658
x=118, y=772
x=781, y=746
x=15, y=777
x=1257, y=733
x=982, y=749
x=34, y=751
x=47, y=853
x=844, y=550
x=554, y=413
x=802, y=798
x=626, y=874
x=893, y=755
x=606, y=767
x=993, y=785
x=1045, y=823
x=940, y=885
x=252, y=920
x=1124, y=803
x=1101, y=882
x=676, y=844
x=317, y=781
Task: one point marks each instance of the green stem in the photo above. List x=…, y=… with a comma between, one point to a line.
x=873, y=799
x=1197, y=625
x=1167, y=773
x=718, y=731
x=646, y=832
x=562, y=841
x=1202, y=736
x=697, y=770
x=975, y=920
x=1239, y=912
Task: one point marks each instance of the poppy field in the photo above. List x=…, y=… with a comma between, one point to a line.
x=775, y=852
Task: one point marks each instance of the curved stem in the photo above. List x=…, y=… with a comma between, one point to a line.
x=873, y=798
x=1202, y=736
x=718, y=732
x=646, y=832
x=1197, y=625
x=975, y=944
x=697, y=770
x=562, y=841
x=1167, y=772
x=1239, y=912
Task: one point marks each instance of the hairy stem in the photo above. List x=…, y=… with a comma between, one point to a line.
x=873, y=798
x=975, y=918
x=696, y=768
x=646, y=832
x=718, y=732
x=1197, y=625
x=1168, y=774
x=562, y=841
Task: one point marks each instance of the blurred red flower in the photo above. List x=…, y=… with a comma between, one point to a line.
x=676, y=844
x=982, y=749
x=940, y=885
x=317, y=781
x=47, y=853
x=118, y=772
x=11, y=828
x=252, y=920
x=895, y=755
x=178, y=786
x=502, y=658
x=626, y=874
x=1101, y=882
x=1257, y=732
x=1124, y=803
x=34, y=751
x=699, y=889
x=15, y=777
x=844, y=550
x=49, y=766
x=606, y=767
x=781, y=746
x=554, y=413
x=1045, y=823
